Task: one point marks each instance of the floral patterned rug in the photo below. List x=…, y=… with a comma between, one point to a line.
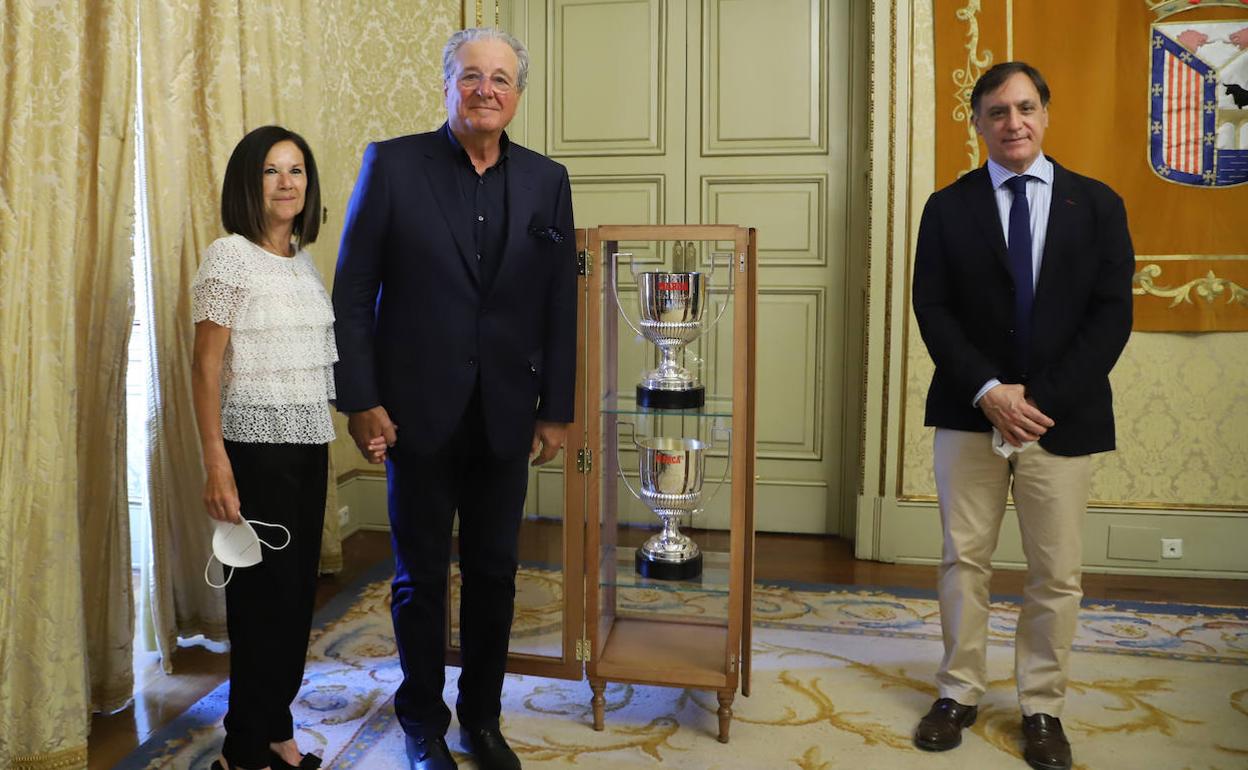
x=840, y=677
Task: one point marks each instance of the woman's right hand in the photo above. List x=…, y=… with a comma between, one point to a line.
x=221, y=494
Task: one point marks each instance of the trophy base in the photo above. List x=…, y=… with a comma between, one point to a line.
x=668, y=570
x=653, y=398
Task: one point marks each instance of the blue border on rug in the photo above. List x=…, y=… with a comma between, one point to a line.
x=209, y=709
x=1122, y=605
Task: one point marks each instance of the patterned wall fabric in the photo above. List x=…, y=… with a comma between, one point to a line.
x=65, y=310
x=1181, y=400
x=386, y=81
x=1180, y=403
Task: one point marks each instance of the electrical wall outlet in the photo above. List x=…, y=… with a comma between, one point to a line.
x=344, y=515
x=1172, y=548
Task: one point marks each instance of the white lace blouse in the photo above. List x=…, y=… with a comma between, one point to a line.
x=277, y=374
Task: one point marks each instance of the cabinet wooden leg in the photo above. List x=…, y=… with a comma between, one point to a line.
x=599, y=701
x=725, y=713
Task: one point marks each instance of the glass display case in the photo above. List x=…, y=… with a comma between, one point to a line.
x=637, y=546
x=670, y=536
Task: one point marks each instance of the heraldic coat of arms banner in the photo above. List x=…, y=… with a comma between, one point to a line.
x=1198, y=101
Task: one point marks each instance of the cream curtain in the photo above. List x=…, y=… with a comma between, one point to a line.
x=211, y=72
x=65, y=214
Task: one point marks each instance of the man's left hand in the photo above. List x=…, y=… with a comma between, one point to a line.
x=548, y=438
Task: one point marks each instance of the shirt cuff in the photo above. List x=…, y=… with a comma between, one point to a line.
x=989, y=385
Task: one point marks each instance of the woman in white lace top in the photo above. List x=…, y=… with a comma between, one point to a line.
x=262, y=381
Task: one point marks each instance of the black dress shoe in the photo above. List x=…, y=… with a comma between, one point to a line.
x=429, y=753
x=488, y=748
x=941, y=729
x=1047, y=747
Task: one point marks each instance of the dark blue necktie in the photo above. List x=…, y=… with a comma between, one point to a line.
x=1019, y=250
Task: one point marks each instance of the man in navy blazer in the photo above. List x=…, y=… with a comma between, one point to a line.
x=455, y=304
x=1022, y=291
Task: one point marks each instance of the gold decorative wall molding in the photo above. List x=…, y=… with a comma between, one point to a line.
x=56, y=760
x=964, y=78
x=1207, y=288
x=1163, y=8
x=875, y=67
x=480, y=13
x=1166, y=304
x=890, y=243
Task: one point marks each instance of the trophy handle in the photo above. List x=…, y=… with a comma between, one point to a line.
x=727, y=433
x=615, y=287
x=632, y=436
x=724, y=306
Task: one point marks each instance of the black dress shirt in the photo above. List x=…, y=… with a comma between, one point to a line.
x=485, y=198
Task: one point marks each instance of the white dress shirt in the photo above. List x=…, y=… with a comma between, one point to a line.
x=1039, y=198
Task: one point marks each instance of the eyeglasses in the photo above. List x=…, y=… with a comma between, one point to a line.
x=471, y=81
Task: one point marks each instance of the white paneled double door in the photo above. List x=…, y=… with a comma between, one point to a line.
x=724, y=112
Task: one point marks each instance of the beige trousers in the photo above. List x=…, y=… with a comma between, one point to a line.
x=1051, y=495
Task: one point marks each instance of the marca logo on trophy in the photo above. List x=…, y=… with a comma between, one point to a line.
x=672, y=314
x=1198, y=98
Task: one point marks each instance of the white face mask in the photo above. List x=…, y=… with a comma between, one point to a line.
x=238, y=545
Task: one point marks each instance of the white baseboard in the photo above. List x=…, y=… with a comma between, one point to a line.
x=1115, y=541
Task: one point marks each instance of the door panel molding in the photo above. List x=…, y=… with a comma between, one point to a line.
x=790, y=208
x=790, y=372
x=606, y=110
x=788, y=67
x=637, y=198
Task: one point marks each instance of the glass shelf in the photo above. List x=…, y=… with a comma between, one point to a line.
x=709, y=410
x=713, y=580
x=671, y=495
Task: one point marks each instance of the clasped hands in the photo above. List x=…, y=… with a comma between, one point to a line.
x=1014, y=414
x=374, y=433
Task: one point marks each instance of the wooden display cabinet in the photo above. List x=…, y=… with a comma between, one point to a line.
x=677, y=633
x=616, y=625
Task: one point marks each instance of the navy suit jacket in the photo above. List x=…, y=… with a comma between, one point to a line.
x=414, y=325
x=1081, y=318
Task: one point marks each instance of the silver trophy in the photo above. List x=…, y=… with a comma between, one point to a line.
x=670, y=474
x=672, y=313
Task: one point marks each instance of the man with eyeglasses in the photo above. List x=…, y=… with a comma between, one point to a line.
x=455, y=304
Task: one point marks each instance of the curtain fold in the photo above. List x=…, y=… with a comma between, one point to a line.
x=105, y=313
x=212, y=70
x=65, y=189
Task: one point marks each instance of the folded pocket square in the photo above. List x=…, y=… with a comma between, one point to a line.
x=551, y=233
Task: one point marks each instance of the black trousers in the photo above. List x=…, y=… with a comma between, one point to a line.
x=426, y=488
x=269, y=606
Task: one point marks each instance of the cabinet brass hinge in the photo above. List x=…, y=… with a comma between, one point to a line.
x=584, y=262
x=584, y=460
x=582, y=650
x=732, y=663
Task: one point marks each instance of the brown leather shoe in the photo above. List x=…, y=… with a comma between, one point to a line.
x=941, y=729
x=1047, y=747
